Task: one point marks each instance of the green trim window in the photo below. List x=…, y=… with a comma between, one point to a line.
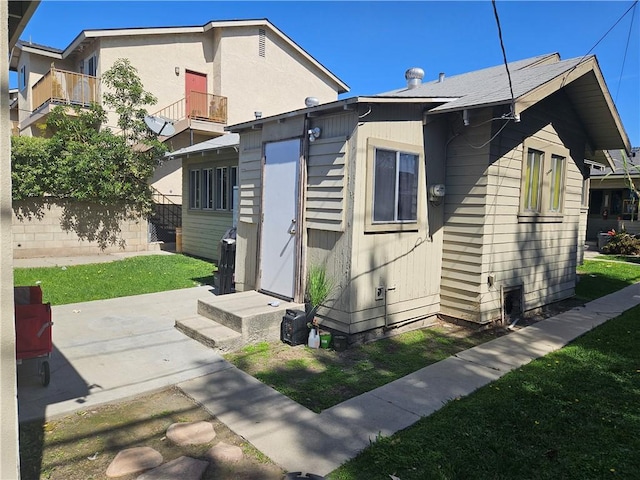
x=556, y=182
x=544, y=171
x=533, y=180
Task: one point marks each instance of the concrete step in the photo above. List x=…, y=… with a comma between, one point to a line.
x=254, y=315
x=210, y=333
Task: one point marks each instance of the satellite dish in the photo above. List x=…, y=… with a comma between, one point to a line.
x=160, y=125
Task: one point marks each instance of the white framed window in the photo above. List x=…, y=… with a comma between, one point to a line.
x=212, y=188
x=222, y=188
x=207, y=188
x=91, y=65
x=194, y=189
x=543, y=186
x=22, y=78
x=393, y=183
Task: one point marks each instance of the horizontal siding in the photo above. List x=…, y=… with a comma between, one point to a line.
x=539, y=256
x=250, y=177
x=203, y=229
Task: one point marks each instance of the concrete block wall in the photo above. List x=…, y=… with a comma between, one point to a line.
x=47, y=228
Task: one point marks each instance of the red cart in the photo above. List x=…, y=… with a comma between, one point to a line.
x=33, y=329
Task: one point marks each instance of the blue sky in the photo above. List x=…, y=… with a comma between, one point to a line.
x=369, y=45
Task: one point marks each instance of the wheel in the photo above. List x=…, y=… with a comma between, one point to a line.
x=46, y=374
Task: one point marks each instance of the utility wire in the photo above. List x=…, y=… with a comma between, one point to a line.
x=504, y=56
x=603, y=37
x=626, y=49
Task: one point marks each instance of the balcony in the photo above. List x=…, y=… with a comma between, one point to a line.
x=201, y=113
x=59, y=87
x=65, y=88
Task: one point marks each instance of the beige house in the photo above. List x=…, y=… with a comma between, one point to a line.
x=205, y=78
x=13, y=18
x=447, y=197
x=612, y=204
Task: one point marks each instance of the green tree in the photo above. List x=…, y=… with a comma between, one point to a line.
x=86, y=162
x=127, y=96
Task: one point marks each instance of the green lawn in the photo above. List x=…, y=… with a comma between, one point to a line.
x=599, y=278
x=131, y=276
x=573, y=414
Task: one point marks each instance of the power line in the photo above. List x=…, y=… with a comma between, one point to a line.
x=504, y=55
x=626, y=49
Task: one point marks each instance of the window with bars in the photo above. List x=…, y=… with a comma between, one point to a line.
x=212, y=188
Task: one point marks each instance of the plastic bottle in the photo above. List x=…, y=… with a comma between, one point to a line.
x=314, y=339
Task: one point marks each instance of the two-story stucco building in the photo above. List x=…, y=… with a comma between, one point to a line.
x=204, y=77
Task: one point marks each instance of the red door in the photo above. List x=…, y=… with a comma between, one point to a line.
x=196, y=94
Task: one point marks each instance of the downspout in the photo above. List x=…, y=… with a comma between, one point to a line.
x=301, y=284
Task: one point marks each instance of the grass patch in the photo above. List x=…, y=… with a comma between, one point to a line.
x=130, y=276
x=319, y=379
x=573, y=414
x=598, y=278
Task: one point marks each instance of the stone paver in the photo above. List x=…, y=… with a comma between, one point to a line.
x=223, y=452
x=134, y=460
x=191, y=433
x=182, y=468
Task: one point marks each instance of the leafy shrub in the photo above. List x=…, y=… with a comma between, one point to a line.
x=622, y=244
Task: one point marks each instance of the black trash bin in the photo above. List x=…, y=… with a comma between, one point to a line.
x=226, y=262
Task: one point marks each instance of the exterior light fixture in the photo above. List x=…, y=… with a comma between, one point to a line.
x=177, y=70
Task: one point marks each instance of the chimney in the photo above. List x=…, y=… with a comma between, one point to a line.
x=414, y=77
x=441, y=77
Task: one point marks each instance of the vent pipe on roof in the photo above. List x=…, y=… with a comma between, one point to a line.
x=441, y=77
x=311, y=102
x=414, y=77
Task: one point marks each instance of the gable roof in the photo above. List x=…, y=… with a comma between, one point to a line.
x=85, y=36
x=532, y=79
x=619, y=159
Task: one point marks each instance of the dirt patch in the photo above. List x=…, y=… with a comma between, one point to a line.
x=81, y=446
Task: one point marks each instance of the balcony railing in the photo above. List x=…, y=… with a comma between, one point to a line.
x=66, y=88
x=198, y=106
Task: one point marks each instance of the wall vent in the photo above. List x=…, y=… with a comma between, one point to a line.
x=512, y=304
x=261, y=42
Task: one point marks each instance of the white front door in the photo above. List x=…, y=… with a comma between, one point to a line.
x=279, y=218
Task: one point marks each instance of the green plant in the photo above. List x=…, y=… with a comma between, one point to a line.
x=622, y=243
x=319, y=287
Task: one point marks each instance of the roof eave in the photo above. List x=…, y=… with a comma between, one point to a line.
x=343, y=104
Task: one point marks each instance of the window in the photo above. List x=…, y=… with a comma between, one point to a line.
x=22, y=78
x=212, y=188
x=207, y=188
x=543, y=181
x=392, y=193
x=533, y=181
x=556, y=183
x=222, y=186
x=91, y=66
x=194, y=189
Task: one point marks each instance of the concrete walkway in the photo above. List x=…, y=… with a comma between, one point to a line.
x=113, y=349
x=298, y=439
